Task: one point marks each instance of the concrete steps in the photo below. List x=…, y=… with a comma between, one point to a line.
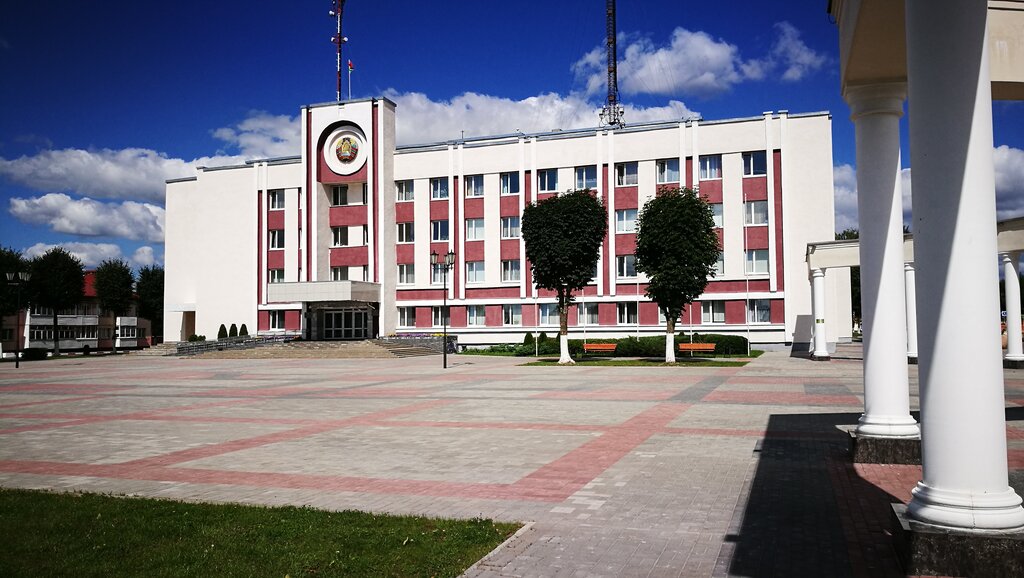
x=399, y=349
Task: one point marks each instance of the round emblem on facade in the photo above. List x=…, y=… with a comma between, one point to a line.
x=345, y=150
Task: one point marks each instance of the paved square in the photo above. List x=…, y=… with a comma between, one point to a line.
x=624, y=471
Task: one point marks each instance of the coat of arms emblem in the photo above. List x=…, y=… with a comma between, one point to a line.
x=347, y=149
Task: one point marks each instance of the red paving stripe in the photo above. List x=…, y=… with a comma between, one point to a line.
x=494, y=425
x=260, y=392
x=378, y=392
x=217, y=449
x=49, y=401
x=609, y=394
x=566, y=475
x=1014, y=433
x=1015, y=459
x=62, y=388
x=756, y=433
x=779, y=397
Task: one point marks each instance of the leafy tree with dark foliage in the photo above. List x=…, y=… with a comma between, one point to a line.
x=563, y=236
x=114, y=281
x=11, y=261
x=150, y=289
x=676, y=247
x=57, y=278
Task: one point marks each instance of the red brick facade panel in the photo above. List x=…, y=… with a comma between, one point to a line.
x=736, y=312
x=711, y=190
x=474, y=250
x=348, y=216
x=405, y=253
x=349, y=256
x=626, y=198
x=474, y=208
x=755, y=188
x=275, y=219
x=510, y=249
x=757, y=237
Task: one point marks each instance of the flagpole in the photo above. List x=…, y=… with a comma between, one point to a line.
x=350, y=80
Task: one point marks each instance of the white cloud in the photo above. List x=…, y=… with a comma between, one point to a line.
x=264, y=135
x=844, y=180
x=695, y=63
x=421, y=119
x=92, y=254
x=128, y=219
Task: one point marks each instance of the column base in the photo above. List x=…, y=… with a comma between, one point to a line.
x=818, y=357
x=884, y=450
x=927, y=550
x=911, y=360
x=967, y=511
x=890, y=427
x=1013, y=362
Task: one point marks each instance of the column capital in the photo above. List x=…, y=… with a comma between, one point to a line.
x=818, y=272
x=1009, y=257
x=908, y=266
x=868, y=99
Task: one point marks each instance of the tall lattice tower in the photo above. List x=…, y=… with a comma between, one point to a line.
x=612, y=114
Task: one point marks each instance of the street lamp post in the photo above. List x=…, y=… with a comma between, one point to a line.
x=23, y=277
x=446, y=262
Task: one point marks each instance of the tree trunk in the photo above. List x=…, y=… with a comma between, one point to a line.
x=670, y=340
x=563, y=330
x=56, y=340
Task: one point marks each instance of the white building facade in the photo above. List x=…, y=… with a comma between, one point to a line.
x=335, y=243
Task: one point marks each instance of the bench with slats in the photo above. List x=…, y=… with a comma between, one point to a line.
x=598, y=348
x=698, y=347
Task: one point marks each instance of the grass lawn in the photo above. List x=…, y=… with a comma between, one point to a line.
x=47, y=534
x=647, y=362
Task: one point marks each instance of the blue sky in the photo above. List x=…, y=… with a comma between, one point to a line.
x=104, y=101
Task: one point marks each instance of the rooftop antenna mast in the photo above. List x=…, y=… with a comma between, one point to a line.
x=338, y=40
x=612, y=114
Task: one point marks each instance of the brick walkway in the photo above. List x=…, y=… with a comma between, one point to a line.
x=624, y=471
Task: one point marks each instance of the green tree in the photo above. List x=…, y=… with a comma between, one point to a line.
x=11, y=261
x=150, y=289
x=114, y=281
x=677, y=248
x=57, y=283
x=563, y=236
x=222, y=333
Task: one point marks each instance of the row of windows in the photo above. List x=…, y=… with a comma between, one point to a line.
x=712, y=312
x=81, y=309
x=439, y=231
x=45, y=333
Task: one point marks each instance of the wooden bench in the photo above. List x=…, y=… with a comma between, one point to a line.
x=701, y=347
x=598, y=348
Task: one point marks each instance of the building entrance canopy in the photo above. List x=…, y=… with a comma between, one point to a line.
x=315, y=291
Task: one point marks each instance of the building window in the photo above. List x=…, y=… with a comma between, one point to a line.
x=440, y=316
x=276, y=199
x=625, y=266
x=437, y=273
x=754, y=164
x=406, y=273
x=586, y=177
x=475, y=272
x=720, y=265
x=510, y=183
x=586, y=314
x=439, y=230
x=276, y=239
x=339, y=236
x=474, y=185
x=547, y=180
x=439, y=188
x=406, y=233
x=512, y=314
x=755, y=213
x=340, y=196
x=6, y=334
x=276, y=275
x=38, y=333
x=407, y=317
x=710, y=167
x=476, y=315
x=276, y=319
x=549, y=314
x=339, y=273
x=510, y=227
x=756, y=262
x=403, y=190
x=128, y=332
x=668, y=171
x=363, y=272
x=626, y=313
x=716, y=214
x=625, y=221
x=759, y=311
x=712, y=312
x=510, y=271
x=625, y=174
x=474, y=229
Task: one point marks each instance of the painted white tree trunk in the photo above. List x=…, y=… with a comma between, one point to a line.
x=670, y=341
x=563, y=341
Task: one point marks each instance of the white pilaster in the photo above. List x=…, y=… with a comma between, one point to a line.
x=820, y=349
x=911, y=284
x=963, y=442
x=876, y=111
x=1014, y=348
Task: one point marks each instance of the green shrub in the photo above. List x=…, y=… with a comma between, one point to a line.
x=528, y=339
x=542, y=338
x=233, y=332
x=243, y=331
x=33, y=353
x=724, y=344
x=194, y=337
x=222, y=333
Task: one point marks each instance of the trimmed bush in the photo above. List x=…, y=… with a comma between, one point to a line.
x=724, y=344
x=33, y=354
x=222, y=333
x=243, y=331
x=194, y=338
x=233, y=332
x=528, y=340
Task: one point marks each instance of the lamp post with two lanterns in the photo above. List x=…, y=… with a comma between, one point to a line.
x=18, y=279
x=446, y=262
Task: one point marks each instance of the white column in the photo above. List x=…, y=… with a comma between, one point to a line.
x=876, y=110
x=963, y=441
x=1014, y=348
x=911, y=283
x=820, y=349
